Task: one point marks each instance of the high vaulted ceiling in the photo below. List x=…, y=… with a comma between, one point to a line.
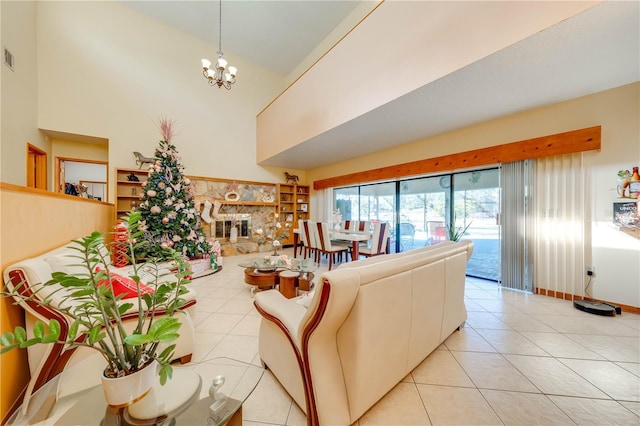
x=594, y=51
x=275, y=34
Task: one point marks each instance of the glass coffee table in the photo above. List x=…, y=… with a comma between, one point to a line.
x=186, y=399
x=265, y=273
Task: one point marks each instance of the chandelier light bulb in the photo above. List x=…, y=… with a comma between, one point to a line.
x=221, y=64
x=222, y=74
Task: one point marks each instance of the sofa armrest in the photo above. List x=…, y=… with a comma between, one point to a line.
x=286, y=310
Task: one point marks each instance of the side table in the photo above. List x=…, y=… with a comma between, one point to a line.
x=304, y=281
x=264, y=280
x=288, y=283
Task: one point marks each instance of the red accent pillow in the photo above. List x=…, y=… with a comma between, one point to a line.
x=124, y=285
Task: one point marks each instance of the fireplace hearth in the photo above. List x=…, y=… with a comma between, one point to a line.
x=221, y=226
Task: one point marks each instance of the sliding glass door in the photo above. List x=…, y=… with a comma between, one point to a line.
x=476, y=208
x=421, y=210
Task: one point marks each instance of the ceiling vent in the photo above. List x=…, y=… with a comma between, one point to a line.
x=8, y=58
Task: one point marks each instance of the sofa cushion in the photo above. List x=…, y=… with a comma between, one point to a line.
x=124, y=285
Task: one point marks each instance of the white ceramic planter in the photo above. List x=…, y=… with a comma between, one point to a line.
x=123, y=391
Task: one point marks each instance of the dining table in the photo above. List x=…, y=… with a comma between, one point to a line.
x=355, y=237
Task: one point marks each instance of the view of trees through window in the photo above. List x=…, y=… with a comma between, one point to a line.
x=420, y=212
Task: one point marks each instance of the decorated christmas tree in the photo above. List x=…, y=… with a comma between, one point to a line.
x=167, y=208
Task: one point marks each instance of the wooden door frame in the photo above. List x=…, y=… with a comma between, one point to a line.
x=36, y=167
x=60, y=189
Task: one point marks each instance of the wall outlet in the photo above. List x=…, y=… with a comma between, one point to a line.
x=591, y=271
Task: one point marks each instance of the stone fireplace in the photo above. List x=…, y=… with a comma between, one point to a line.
x=221, y=225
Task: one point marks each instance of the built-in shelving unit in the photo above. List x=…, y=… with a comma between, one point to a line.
x=128, y=190
x=293, y=205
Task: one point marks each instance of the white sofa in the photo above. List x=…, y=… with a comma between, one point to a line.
x=46, y=361
x=368, y=325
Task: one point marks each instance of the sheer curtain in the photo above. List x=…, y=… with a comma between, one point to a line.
x=517, y=225
x=562, y=213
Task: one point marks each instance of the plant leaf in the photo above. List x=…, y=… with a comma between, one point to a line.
x=138, y=339
x=54, y=332
x=39, y=329
x=20, y=334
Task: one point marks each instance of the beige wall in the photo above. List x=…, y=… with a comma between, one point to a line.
x=617, y=111
x=79, y=150
x=19, y=91
x=127, y=70
x=350, y=80
x=31, y=223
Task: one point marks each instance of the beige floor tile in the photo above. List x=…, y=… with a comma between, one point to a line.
x=581, y=324
x=478, y=294
x=456, y=406
x=493, y=371
x=560, y=346
x=235, y=306
x=204, y=344
x=595, y=412
x=268, y=403
x=630, y=320
x=522, y=322
x=472, y=305
x=209, y=304
x=241, y=348
x=553, y=377
x=632, y=367
x=510, y=342
x=519, y=408
x=611, y=348
x=467, y=339
x=634, y=407
x=248, y=326
x=485, y=320
x=617, y=382
x=219, y=323
x=227, y=293
x=296, y=416
x=401, y=406
x=441, y=368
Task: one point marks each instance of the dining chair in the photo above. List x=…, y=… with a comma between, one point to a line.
x=349, y=225
x=310, y=240
x=363, y=225
x=378, y=243
x=302, y=238
x=325, y=246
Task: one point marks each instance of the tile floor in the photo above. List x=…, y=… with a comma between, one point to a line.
x=521, y=359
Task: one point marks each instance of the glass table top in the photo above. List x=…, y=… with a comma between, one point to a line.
x=69, y=399
x=273, y=263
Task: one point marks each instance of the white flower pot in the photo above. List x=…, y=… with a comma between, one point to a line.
x=123, y=391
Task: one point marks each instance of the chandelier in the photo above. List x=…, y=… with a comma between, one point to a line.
x=222, y=74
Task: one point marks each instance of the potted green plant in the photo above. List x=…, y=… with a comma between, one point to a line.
x=97, y=311
x=455, y=233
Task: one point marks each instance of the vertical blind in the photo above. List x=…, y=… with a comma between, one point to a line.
x=561, y=215
x=518, y=229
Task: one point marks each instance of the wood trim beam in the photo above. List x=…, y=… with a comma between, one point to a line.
x=587, y=139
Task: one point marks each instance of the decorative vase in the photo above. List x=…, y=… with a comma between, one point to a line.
x=233, y=235
x=123, y=391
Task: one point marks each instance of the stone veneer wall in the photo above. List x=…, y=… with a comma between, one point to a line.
x=256, y=198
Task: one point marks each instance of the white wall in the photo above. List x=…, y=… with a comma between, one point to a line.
x=108, y=71
x=19, y=91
